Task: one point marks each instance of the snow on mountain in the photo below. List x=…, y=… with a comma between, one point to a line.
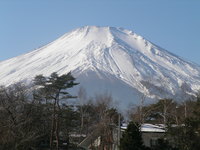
x=107, y=59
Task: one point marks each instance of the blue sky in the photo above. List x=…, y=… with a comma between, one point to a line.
x=28, y=24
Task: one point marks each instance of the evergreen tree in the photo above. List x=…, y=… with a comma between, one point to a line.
x=54, y=89
x=132, y=138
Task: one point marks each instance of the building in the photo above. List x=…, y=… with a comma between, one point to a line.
x=150, y=135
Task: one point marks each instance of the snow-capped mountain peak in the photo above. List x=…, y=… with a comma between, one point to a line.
x=108, y=54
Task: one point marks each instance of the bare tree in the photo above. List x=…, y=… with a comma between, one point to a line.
x=21, y=119
x=103, y=120
x=108, y=118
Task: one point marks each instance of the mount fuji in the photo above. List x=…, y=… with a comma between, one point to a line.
x=108, y=59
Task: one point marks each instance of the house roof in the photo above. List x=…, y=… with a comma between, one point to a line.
x=159, y=128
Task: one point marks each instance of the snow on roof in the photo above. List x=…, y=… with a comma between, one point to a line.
x=152, y=128
x=149, y=127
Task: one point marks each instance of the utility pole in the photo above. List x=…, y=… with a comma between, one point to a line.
x=119, y=131
x=185, y=108
x=176, y=115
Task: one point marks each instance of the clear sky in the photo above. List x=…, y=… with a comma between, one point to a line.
x=28, y=24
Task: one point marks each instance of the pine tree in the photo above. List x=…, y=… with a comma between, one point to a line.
x=54, y=89
x=132, y=138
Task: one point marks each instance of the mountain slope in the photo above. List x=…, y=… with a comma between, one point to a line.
x=107, y=55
